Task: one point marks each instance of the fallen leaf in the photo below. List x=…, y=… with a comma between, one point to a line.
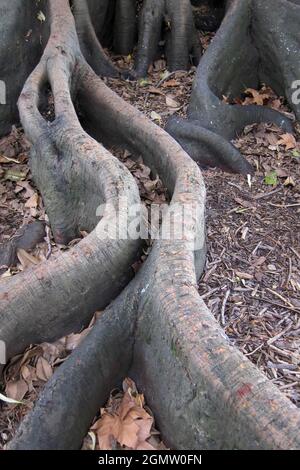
x=281, y=173
x=33, y=201
x=129, y=424
x=289, y=182
x=26, y=259
x=155, y=116
x=73, y=340
x=288, y=140
x=16, y=389
x=28, y=373
x=171, y=83
x=43, y=369
x=171, y=102
x=257, y=98
x=29, y=191
x=15, y=175
x=155, y=91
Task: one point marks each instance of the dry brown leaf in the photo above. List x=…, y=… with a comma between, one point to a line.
x=16, y=389
x=43, y=369
x=129, y=424
x=29, y=191
x=257, y=98
x=32, y=202
x=170, y=83
x=28, y=374
x=171, y=103
x=73, y=340
x=288, y=140
x=289, y=182
x=243, y=203
x=26, y=259
x=155, y=91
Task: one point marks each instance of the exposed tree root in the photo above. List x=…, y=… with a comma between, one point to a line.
x=166, y=20
x=182, y=41
x=251, y=46
x=75, y=175
x=89, y=43
x=158, y=328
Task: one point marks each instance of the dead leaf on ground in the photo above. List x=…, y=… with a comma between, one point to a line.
x=125, y=422
x=43, y=369
x=171, y=102
x=288, y=140
x=16, y=389
x=257, y=97
x=26, y=259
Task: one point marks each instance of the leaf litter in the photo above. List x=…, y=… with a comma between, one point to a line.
x=124, y=423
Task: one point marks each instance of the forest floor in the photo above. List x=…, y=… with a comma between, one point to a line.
x=251, y=281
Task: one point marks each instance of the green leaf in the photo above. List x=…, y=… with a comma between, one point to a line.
x=271, y=178
x=296, y=153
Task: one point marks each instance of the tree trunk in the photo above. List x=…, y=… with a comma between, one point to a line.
x=204, y=393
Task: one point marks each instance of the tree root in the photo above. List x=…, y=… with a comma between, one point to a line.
x=181, y=42
x=75, y=175
x=247, y=31
x=203, y=392
x=89, y=43
x=17, y=55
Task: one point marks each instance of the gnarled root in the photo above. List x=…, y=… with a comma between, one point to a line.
x=250, y=47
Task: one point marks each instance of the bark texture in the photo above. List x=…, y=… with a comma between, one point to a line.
x=204, y=393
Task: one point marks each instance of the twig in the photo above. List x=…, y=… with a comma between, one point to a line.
x=254, y=351
x=208, y=294
x=295, y=252
x=224, y=307
x=261, y=196
x=277, y=304
x=280, y=297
